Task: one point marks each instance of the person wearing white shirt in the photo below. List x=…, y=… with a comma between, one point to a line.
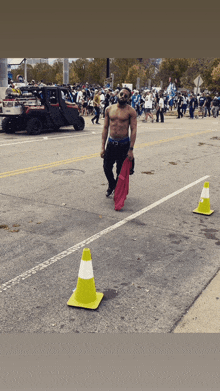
x=160, y=108
x=79, y=96
x=148, y=105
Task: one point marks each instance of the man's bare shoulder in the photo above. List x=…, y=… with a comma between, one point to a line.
x=114, y=106
x=132, y=111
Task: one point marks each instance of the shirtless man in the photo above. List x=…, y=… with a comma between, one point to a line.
x=118, y=117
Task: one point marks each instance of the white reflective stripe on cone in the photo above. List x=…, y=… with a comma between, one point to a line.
x=86, y=270
x=205, y=192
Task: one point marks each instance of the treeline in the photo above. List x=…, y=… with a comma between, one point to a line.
x=128, y=70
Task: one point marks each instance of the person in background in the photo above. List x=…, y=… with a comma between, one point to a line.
x=106, y=102
x=171, y=102
x=192, y=105
x=138, y=104
x=148, y=106
x=184, y=105
x=208, y=105
x=179, y=105
x=134, y=100
x=201, y=101
x=160, y=108
x=96, y=104
x=90, y=106
x=215, y=107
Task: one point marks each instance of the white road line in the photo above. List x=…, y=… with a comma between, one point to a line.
x=85, y=242
x=43, y=139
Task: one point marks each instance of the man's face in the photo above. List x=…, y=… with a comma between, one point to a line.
x=123, y=97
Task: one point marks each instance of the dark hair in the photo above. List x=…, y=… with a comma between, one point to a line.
x=128, y=89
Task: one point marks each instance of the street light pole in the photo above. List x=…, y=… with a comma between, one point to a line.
x=108, y=68
x=25, y=71
x=3, y=76
x=65, y=71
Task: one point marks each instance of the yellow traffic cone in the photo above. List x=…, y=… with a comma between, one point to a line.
x=85, y=294
x=204, y=203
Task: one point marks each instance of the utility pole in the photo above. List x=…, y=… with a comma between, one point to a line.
x=108, y=68
x=3, y=76
x=65, y=71
x=25, y=71
x=3, y=79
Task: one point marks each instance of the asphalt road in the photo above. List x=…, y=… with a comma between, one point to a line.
x=152, y=259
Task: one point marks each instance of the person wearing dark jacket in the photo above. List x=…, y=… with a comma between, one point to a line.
x=215, y=107
x=179, y=105
x=106, y=102
x=207, y=105
x=192, y=106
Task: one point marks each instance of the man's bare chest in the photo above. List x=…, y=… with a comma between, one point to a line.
x=119, y=115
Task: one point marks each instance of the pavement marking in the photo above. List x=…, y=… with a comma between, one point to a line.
x=171, y=139
x=42, y=139
x=94, y=155
x=48, y=165
x=91, y=239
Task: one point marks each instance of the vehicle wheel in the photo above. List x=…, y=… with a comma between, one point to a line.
x=34, y=126
x=80, y=125
x=8, y=126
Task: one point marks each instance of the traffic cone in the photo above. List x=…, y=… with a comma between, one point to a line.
x=85, y=294
x=204, y=203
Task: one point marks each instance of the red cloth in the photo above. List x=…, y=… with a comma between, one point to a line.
x=122, y=187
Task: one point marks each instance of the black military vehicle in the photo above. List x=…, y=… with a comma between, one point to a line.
x=35, y=109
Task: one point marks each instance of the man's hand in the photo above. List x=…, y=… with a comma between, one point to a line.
x=130, y=155
x=102, y=153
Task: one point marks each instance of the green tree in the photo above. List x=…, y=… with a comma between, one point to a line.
x=171, y=67
x=203, y=67
x=97, y=71
x=216, y=73
x=79, y=71
x=120, y=67
x=134, y=72
x=43, y=71
x=57, y=71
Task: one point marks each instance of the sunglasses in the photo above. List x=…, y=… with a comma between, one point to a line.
x=122, y=94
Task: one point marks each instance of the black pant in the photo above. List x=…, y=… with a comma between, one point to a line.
x=207, y=108
x=160, y=113
x=114, y=153
x=179, y=111
x=97, y=109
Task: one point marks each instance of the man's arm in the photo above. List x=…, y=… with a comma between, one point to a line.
x=133, y=127
x=105, y=132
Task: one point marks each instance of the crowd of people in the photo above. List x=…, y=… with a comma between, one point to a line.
x=93, y=100
x=147, y=103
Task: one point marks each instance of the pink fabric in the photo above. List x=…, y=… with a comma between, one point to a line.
x=122, y=187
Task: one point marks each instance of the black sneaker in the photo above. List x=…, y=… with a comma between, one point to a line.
x=109, y=191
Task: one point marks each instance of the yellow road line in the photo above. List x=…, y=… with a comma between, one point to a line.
x=171, y=139
x=45, y=166
x=72, y=160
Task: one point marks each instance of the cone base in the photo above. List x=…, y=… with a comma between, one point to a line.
x=203, y=213
x=93, y=305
